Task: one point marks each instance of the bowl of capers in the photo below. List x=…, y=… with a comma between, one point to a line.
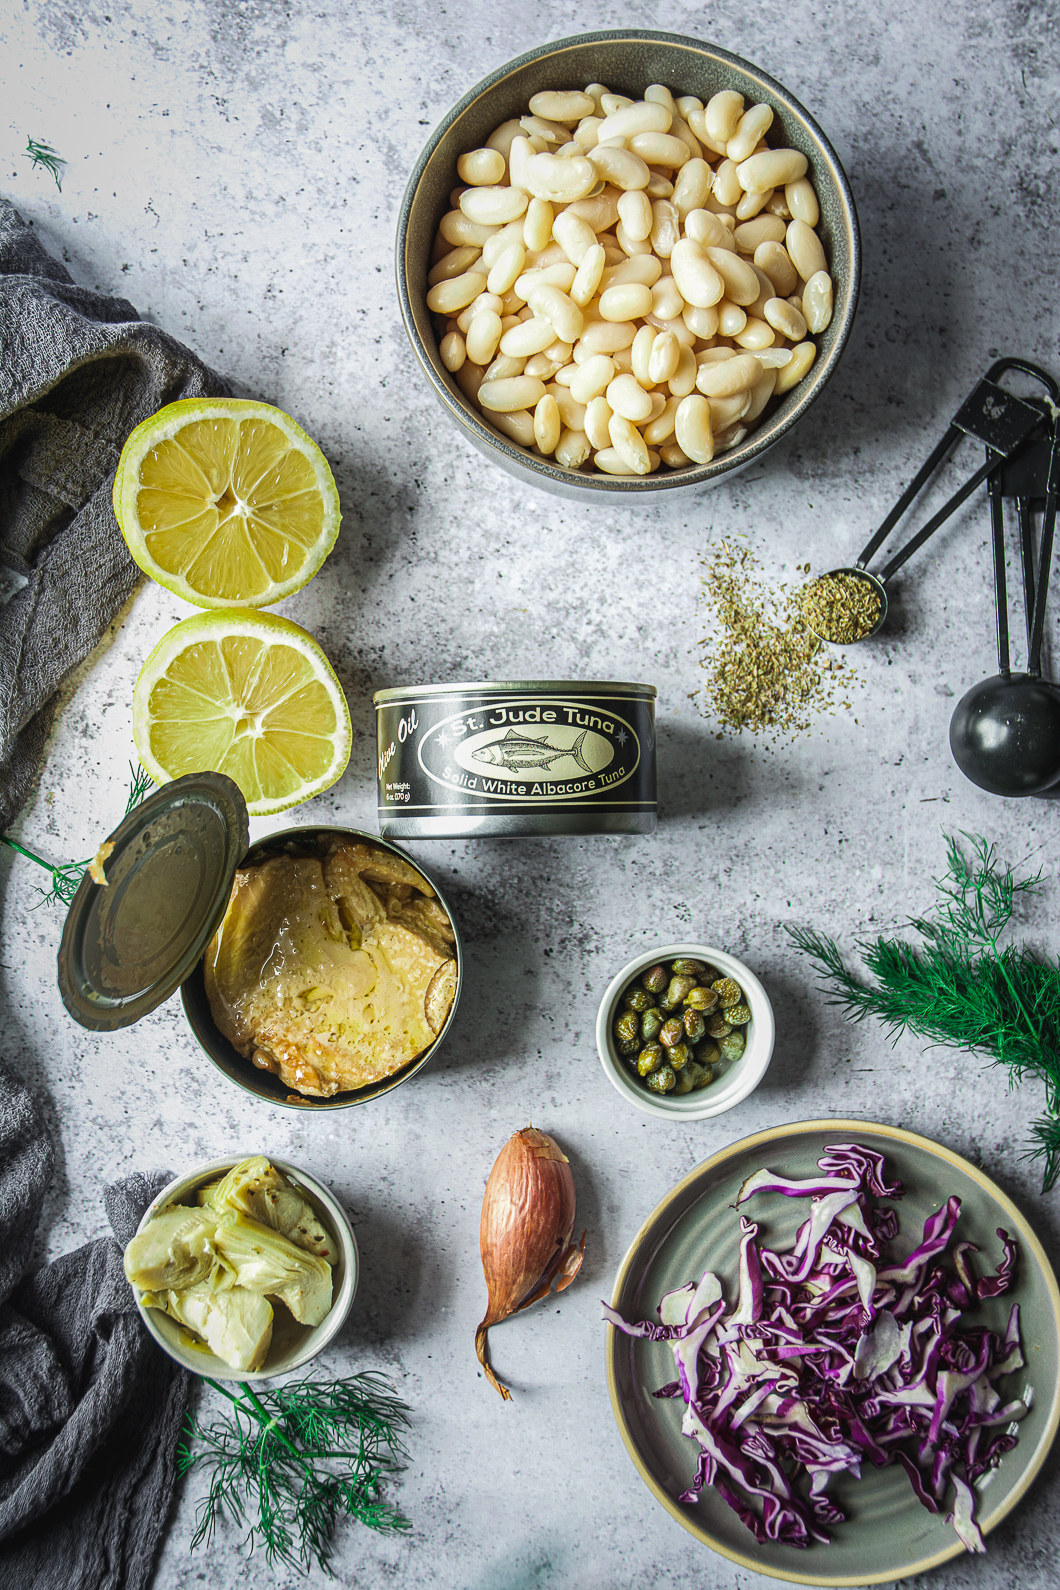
x=685, y=1031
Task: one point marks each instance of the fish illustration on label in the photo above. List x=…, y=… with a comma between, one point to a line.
x=516, y=752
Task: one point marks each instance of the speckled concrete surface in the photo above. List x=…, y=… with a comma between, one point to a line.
x=234, y=170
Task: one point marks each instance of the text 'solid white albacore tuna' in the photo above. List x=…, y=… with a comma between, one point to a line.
x=510, y=757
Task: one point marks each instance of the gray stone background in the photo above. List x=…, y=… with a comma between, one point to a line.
x=235, y=169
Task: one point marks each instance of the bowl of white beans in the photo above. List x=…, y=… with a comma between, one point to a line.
x=627, y=263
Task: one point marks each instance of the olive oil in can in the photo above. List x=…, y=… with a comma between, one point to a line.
x=516, y=757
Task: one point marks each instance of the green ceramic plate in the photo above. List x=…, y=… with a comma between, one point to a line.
x=888, y=1534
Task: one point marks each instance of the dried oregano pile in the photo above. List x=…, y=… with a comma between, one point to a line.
x=765, y=669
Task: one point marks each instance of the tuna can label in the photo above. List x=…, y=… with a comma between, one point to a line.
x=515, y=753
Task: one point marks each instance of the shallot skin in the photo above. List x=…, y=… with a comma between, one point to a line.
x=528, y=1215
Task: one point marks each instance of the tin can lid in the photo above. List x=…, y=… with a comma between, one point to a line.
x=127, y=945
x=602, y=687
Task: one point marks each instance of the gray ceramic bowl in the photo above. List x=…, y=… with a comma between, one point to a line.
x=628, y=61
x=292, y=1344
x=263, y=1083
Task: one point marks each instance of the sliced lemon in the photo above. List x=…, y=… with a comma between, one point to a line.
x=225, y=502
x=247, y=694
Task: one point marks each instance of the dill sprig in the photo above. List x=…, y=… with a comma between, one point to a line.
x=290, y=1461
x=961, y=987
x=44, y=155
x=66, y=877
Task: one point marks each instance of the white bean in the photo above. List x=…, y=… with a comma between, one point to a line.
x=763, y=229
x=506, y=269
x=519, y=426
x=665, y=358
x=587, y=280
x=621, y=167
x=556, y=306
x=458, y=231
x=547, y=424
x=659, y=94
x=761, y=393
x=683, y=381
x=600, y=211
x=773, y=358
x=640, y=354
x=640, y=268
x=756, y=334
x=609, y=102
x=629, y=301
x=693, y=185
x=505, y=397
x=802, y=201
x=676, y=326
x=597, y=420
x=549, y=131
x=802, y=358
x=775, y=261
x=634, y=119
x=687, y=103
x=572, y=412
x=518, y=156
x=731, y=318
x=697, y=280
x=701, y=322
x=660, y=149
x=722, y=114
x=587, y=132
x=542, y=366
x=708, y=230
x=456, y=293
x=752, y=204
x=673, y=456
x=562, y=106
x=791, y=323
x=727, y=189
x=817, y=302
x=592, y=378
x=574, y=236
x=482, y=168
x=666, y=300
x=631, y=245
x=634, y=209
x=629, y=444
x=770, y=169
x=727, y=377
x=607, y=336
x=455, y=263
x=453, y=351
x=537, y=225
x=680, y=129
x=804, y=247
x=469, y=379
x=753, y=125
x=628, y=399
x=493, y=206
x=573, y=449
x=529, y=336
x=697, y=120
x=726, y=411
x=741, y=283
x=692, y=427
x=659, y=187
x=665, y=227
x=612, y=462
x=596, y=92
x=561, y=276
x=501, y=138
x=660, y=427
x=503, y=367
x=483, y=338
x=478, y=306
x=558, y=180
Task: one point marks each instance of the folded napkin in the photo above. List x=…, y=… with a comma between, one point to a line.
x=77, y=372
x=90, y=1408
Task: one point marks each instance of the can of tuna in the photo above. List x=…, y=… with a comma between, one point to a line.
x=508, y=757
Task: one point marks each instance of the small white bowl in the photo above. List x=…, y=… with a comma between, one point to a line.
x=734, y=1084
x=292, y=1344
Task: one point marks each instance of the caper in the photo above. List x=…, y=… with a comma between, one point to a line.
x=636, y=998
x=627, y=1032
x=707, y=1053
x=679, y=1055
x=706, y=1075
x=671, y=1032
x=688, y=968
x=677, y=990
x=694, y=1025
x=732, y=1045
x=737, y=1014
x=685, y=1078
x=663, y=1081
x=650, y=1022
x=701, y=998
x=655, y=979
x=650, y=1058
x=709, y=975
x=718, y=1027
x=728, y=991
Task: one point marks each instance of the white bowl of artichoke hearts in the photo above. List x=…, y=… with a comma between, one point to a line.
x=244, y=1268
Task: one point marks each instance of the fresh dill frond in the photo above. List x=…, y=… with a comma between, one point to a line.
x=289, y=1461
x=66, y=877
x=961, y=987
x=47, y=157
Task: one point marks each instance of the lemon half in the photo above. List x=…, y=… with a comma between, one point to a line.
x=247, y=694
x=225, y=502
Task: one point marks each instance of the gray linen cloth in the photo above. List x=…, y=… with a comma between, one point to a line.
x=90, y=1408
x=77, y=372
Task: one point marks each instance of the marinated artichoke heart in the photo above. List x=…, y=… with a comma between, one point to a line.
x=236, y=1325
x=333, y=973
x=256, y=1188
x=255, y=1258
x=175, y=1249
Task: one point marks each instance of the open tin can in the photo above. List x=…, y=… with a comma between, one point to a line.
x=501, y=758
x=128, y=945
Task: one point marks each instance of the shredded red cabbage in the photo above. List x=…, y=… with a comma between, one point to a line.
x=835, y=1353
